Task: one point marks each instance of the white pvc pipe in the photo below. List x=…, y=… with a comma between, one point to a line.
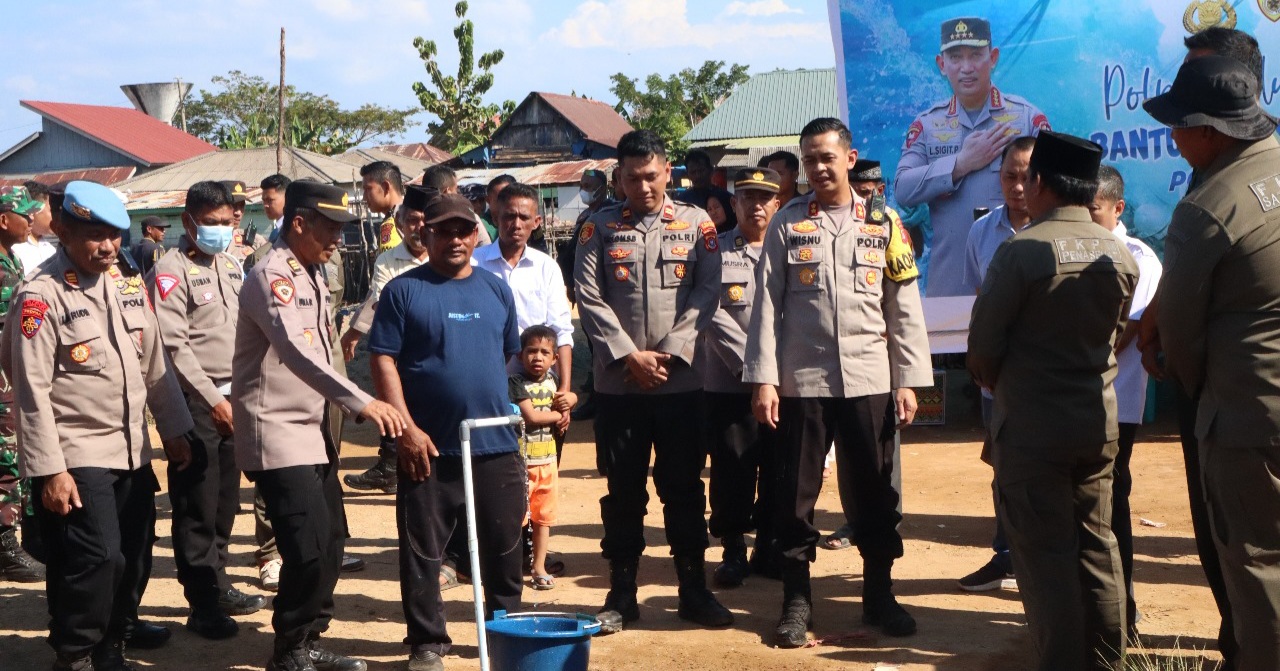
x=473, y=546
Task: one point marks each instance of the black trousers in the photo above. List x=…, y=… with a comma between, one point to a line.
x=743, y=482
x=1121, y=522
x=863, y=430
x=205, y=498
x=429, y=512
x=99, y=556
x=304, y=505
x=1200, y=525
x=629, y=428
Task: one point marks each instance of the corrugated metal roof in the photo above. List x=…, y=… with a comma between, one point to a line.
x=598, y=121
x=247, y=165
x=409, y=167
x=104, y=176
x=771, y=104
x=419, y=150
x=128, y=131
x=550, y=174
x=176, y=199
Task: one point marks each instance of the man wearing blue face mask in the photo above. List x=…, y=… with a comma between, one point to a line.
x=196, y=292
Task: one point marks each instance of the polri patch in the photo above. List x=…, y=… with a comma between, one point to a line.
x=33, y=312
x=588, y=230
x=165, y=285
x=1267, y=192
x=283, y=290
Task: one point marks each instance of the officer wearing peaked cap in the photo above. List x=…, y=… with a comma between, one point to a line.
x=1042, y=338
x=282, y=374
x=648, y=282
x=1222, y=271
x=741, y=449
x=951, y=155
x=83, y=352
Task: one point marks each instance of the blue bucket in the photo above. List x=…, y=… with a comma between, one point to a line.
x=540, y=641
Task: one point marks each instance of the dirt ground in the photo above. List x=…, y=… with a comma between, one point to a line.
x=948, y=528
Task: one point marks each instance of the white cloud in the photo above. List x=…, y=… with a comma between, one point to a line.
x=627, y=25
x=759, y=8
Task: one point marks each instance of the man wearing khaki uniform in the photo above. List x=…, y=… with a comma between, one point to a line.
x=1050, y=311
x=1222, y=271
x=647, y=273
x=837, y=327
x=82, y=350
x=282, y=375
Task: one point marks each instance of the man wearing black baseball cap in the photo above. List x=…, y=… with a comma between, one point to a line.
x=1042, y=338
x=1222, y=267
x=282, y=374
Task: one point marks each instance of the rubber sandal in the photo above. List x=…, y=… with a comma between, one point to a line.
x=543, y=582
x=836, y=542
x=450, y=576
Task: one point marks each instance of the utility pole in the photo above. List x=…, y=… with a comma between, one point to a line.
x=280, y=112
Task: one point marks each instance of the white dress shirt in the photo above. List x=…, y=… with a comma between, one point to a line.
x=538, y=287
x=1131, y=377
x=32, y=254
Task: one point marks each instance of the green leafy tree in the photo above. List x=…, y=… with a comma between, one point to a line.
x=671, y=106
x=241, y=114
x=464, y=120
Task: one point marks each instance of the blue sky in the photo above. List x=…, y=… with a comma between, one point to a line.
x=357, y=51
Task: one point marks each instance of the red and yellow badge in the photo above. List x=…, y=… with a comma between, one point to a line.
x=708, y=230
x=804, y=226
x=871, y=256
x=677, y=225
x=872, y=277
x=621, y=273
x=626, y=214
x=33, y=311
x=71, y=278
x=618, y=253
x=914, y=130
x=808, y=276
x=813, y=208
x=668, y=212
x=585, y=235
x=736, y=292
x=872, y=230
x=283, y=290
x=384, y=232
x=806, y=254
x=114, y=272
x=238, y=237
x=1040, y=122
x=295, y=266
x=680, y=250
x=681, y=270
x=859, y=211
x=80, y=353
x=165, y=284
x=306, y=335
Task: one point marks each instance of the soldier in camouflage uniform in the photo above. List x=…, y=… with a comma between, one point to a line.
x=16, y=210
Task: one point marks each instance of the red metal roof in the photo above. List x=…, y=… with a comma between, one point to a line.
x=598, y=121
x=128, y=131
x=104, y=176
x=418, y=150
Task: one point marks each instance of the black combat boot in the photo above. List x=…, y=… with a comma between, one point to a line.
x=620, y=606
x=82, y=663
x=797, y=606
x=290, y=657
x=15, y=564
x=381, y=476
x=108, y=655
x=325, y=660
x=734, y=568
x=697, y=603
x=879, y=607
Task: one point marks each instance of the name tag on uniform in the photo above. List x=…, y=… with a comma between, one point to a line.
x=1087, y=250
x=1267, y=192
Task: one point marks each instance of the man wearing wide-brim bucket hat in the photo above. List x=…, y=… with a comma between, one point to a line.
x=1222, y=267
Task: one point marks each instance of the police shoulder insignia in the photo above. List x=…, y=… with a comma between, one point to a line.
x=283, y=290
x=668, y=212
x=33, y=312
x=71, y=278
x=739, y=242
x=295, y=266
x=813, y=208
x=913, y=132
x=1040, y=122
x=588, y=230
x=114, y=272
x=165, y=285
x=626, y=214
x=900, y=258
x=859, y=211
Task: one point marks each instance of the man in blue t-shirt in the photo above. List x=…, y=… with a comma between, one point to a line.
x=440, y=341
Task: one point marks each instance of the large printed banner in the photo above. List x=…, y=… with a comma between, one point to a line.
x=1079, y=66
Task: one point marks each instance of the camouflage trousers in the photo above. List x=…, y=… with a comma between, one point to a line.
x=13, y=489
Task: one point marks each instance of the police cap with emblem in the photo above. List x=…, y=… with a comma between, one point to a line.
x=1214, y=91
x=1066, y=155
x=866, y=170
x=449, y=207
x=328, y=200
x=93, y=203
x=966, y=32
x=763, y=179
x=236, y=188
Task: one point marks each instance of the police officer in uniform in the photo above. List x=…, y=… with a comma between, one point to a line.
x=951, y=156
x=741, y=448
x=282, y=374
x=82, y=350
x=648, y=282
x=1042, y=338
x=835, y=344
x=1222, y=272
x=195, y=288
